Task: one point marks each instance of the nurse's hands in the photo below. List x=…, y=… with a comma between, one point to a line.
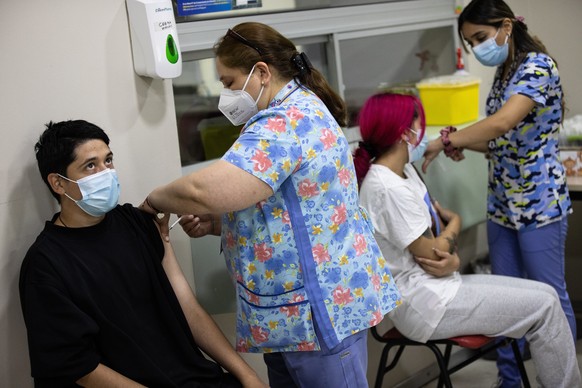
x=198, y=226
x=444, y=266
x=434, y=148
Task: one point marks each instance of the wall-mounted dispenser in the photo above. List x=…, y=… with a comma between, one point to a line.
x=154, y=38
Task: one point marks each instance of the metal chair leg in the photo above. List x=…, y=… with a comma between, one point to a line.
x=448, y=350
x=380, y=373
x=520, y=365
x=383, y=368
x=444, y=376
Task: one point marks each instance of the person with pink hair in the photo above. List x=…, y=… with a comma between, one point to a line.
x=418, y=239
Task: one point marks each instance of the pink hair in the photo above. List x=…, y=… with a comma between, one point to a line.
x=383, y=119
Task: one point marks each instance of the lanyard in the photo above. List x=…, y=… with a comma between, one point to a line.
x=428, y=202
x=286, y=96
x=433, y=213
x=275, y=103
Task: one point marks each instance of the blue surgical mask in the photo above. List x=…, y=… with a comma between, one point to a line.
x=100, y=192
x=417, y=152
x=489, y=53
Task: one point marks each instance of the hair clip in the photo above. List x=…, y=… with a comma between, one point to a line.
x=368, y=147
x=520, y=19
x=302, y=63
x=306, y=61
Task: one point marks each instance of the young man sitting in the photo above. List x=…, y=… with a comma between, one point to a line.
x=104, y=299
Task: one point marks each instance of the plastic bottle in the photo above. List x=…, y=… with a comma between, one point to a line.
x=460, y=64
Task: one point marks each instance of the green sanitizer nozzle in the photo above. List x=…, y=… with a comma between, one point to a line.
x=171, y=50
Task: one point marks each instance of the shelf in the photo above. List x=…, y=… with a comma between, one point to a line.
x=202, y=35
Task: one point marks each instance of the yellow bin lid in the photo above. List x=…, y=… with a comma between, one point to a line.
x=448, y=81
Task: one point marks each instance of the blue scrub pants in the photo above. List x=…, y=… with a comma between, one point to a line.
x=343, y=366
x=537, y=254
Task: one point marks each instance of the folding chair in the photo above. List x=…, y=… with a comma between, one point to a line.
x=480, y=345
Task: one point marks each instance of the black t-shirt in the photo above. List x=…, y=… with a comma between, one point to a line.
x=100, y=295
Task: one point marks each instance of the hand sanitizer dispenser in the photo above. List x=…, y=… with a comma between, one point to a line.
x=154, y=38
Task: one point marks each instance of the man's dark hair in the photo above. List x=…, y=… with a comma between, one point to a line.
x=56, y=147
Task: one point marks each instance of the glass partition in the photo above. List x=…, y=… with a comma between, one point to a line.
x=203, y=132
x=196, y=94
x=397, y=60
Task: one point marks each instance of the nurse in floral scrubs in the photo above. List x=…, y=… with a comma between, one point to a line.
x=310, y=278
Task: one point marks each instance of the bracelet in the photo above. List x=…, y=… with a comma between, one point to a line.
x=158, y=212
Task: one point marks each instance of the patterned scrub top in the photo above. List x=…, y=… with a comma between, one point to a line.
x=309, y=248
x=527, y=181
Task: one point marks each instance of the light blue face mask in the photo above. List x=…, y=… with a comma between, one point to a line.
x=416, y=152
x=100, y=192
x=489, y=53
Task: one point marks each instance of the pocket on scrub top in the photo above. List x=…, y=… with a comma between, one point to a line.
x=277, y=321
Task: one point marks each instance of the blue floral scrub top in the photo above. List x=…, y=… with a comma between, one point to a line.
x=527, y=181
x=309, y=248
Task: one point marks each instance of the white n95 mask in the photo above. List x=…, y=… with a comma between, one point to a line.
x=237, y=105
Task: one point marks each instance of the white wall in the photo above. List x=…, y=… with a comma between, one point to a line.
x=67, y=60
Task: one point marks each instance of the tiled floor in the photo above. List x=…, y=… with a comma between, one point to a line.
x=483, y=374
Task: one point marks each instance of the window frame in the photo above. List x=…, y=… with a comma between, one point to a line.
x=197, y=38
